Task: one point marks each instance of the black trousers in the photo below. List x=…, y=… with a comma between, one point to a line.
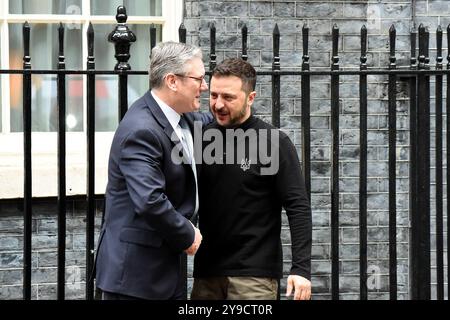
x=180, y=291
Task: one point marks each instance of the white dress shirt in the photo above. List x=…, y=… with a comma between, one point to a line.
x=184, y=135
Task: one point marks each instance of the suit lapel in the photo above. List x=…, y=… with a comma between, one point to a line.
x=160, y=117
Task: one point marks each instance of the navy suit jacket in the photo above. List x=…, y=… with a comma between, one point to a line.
x=148, y=202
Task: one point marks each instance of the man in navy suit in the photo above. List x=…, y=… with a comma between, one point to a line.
x=150, y=198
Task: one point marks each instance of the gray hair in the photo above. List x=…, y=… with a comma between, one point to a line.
x=170, y=57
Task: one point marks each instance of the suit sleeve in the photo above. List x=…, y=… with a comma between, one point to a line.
x=292, y=192
x=140, y=163
x=205, y=117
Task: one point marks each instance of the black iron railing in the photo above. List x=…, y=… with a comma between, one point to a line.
x=419, y=73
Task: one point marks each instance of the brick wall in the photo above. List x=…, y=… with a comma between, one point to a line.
x=44, y=248
x=378, y=16
x=260, y=18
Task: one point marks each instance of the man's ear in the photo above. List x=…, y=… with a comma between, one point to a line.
x=171, y=81
x=251, y=98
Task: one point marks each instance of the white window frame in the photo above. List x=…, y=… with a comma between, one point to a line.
x=44, y=152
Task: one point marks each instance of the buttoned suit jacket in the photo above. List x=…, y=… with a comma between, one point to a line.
x=149, y=200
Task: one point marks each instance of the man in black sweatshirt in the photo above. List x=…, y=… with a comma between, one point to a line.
x=250, y=171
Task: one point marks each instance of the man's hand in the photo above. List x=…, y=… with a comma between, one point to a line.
x=196, y=244
x=301, y=285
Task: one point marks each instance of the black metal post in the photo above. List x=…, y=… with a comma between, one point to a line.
x=306, y=110
x=122, y=37
x=420, y=220
x=439, y=179
x=27, y=198
x=61, y=96
x=363, y=169
x=276, y=78
x=335, y=166
x=90, y=224
x=448, y=156
x=392, y=169
x=183, y=261
x=413, y=172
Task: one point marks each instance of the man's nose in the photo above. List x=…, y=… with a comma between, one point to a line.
x=204, y=85
x=219, y=103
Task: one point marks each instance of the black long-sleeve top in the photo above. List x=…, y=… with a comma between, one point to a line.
x=240, y=205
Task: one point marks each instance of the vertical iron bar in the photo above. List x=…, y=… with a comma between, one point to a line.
x=212, y=42
x=182, y=33
x=90, y=165
x=425, y=218
x=420, y=223
x=183, y=262
x=439, y=183
x=306, y=110
x=61, y=95
x=152, y=43
x=152, y=38
x=276, y=92
x=244, y=42
x=413, y=173
x=123, y=95
x=27, y=163
x=276, y=78
x=335, y=167
x=363, y=169
x=392, y=169
x=448, y=159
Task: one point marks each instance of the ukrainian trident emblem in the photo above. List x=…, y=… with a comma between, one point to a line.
x=245, y=164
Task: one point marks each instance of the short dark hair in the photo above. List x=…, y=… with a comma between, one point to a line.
x=238, y=68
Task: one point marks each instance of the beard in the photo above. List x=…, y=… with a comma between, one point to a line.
x=237, y=119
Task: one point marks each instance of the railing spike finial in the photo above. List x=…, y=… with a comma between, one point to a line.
x=212, y=40
x=448, y=41
x=305, y=39
x=152, y=38
x=182, y=33
x=61, y=59
x=392, y=44
x=421, y=27
x=122, y=37
x=276, y=48
x=90, y=38
x=121, y=16
x=363, y=58
x=26, y=45
x=439, y=57
x=276, y=30
x=244, y=31
x=413, y=41
x=335, y=47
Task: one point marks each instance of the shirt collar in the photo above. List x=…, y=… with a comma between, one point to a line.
x=170, y=114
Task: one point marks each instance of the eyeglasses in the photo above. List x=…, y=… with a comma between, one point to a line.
x=201, y=79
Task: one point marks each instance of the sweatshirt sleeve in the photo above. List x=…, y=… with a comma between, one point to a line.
x=292, y=193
